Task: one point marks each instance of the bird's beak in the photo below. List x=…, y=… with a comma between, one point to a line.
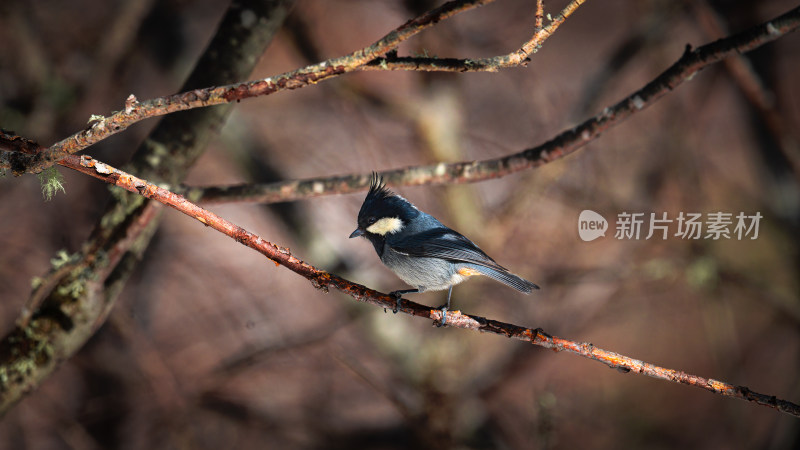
x=357, y=233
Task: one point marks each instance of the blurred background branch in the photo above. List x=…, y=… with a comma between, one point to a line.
x=76, y=303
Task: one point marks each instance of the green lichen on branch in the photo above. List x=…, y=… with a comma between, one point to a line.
x=62, y=258
x=52, y=181
x=26, y=350
x=74, y=285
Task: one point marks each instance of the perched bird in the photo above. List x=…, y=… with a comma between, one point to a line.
x=420, y=250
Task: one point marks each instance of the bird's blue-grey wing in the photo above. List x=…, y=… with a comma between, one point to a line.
x=446, y=244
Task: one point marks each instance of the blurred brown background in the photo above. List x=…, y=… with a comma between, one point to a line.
x=212, y=346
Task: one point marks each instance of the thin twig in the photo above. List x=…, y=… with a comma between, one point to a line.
x=493, y=64
x=538, y=18
x=324, y=280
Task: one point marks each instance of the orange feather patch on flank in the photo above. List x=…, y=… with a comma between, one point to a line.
x=467, y=272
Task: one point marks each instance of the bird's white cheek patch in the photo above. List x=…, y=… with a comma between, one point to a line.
x=385, y=226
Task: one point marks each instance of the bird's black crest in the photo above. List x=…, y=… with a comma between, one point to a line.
x=378, y=189
x=381, y=202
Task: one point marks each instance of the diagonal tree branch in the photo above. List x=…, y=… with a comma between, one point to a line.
x=324, y=280
x=558, y=147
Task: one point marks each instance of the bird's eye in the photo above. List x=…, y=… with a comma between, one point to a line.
x=371, y=220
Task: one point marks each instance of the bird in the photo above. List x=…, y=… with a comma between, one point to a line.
x=422, y=251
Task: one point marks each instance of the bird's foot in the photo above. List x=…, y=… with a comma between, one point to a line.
x=443, y=309
x=398, y=300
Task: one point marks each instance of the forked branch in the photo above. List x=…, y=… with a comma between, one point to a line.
x=135, y=111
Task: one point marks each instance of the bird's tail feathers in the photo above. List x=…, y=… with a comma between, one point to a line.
x=509, y=279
